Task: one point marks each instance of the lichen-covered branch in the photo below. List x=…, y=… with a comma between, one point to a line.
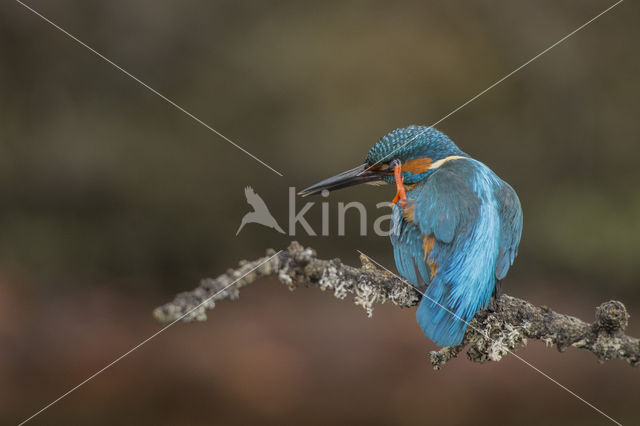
x=490, y=335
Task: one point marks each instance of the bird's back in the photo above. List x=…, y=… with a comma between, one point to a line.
x=458, y=234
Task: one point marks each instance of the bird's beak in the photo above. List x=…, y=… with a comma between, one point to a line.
x=355, y=176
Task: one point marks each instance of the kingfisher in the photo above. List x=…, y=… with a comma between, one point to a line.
x=455, y=225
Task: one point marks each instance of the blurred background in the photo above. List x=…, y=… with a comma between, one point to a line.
x=111, y=201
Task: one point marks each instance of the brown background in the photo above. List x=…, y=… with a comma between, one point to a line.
x=111, y=201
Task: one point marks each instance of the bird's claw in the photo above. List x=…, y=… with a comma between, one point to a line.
x=400, y=191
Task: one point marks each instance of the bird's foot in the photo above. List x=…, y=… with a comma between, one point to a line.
x=401, y=194
x=403, y=201
x=494, y=304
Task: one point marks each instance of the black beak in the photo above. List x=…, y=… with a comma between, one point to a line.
x=355, y=176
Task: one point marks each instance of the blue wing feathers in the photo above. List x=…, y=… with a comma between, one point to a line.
x=408, y=251
x=476, y=220
x=443, y=201
x=510, y=228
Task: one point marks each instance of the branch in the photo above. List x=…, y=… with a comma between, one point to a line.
x=491, y=334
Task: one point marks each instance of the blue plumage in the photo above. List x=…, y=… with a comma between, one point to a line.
x=476, y=236
x=475, y=221
x=454, y=234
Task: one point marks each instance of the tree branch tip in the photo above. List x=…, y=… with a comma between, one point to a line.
x=612, y=316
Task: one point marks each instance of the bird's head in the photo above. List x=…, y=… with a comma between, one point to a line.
x=404, y=156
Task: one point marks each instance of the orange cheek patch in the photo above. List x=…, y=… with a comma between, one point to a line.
x=417, y=166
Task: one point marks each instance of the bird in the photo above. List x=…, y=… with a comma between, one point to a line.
x=455, y=225
x=260, y=213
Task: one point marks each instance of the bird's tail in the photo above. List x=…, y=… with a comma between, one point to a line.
x=440, y=323
x=444, y=313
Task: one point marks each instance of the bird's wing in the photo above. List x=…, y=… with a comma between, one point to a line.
x=445, y=202
x=408, y=249
x=254, y=200
x=455, y=218
x=510, y=228
x=422, y=231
